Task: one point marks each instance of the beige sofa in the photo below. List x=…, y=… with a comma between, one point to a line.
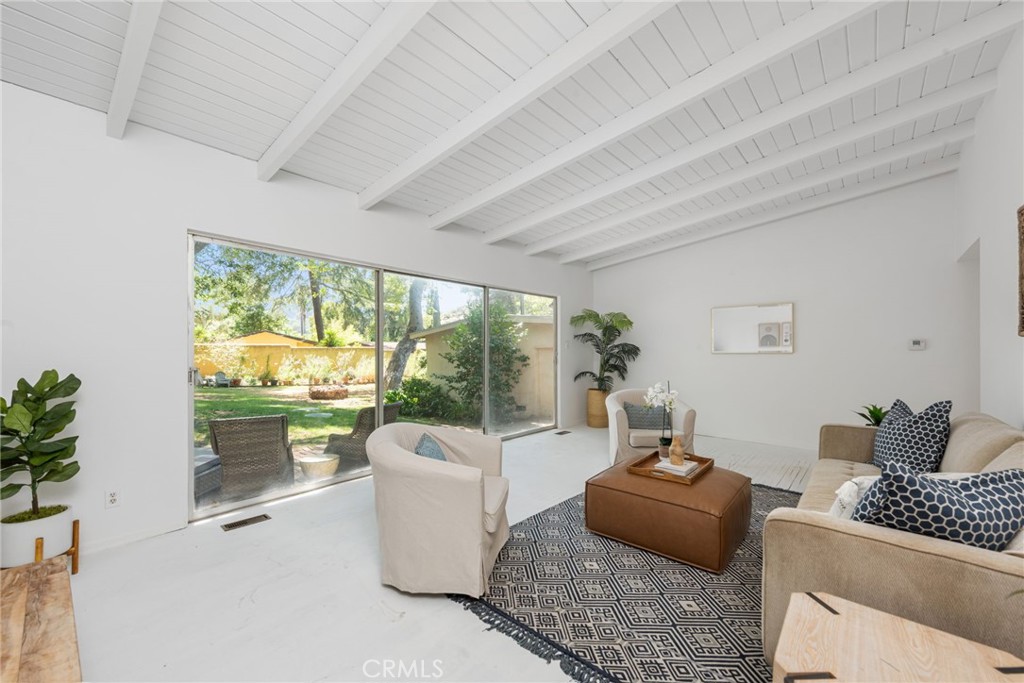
x=950, y=586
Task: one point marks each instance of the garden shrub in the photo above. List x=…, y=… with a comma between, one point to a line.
x=423, y=398
x=467, y=356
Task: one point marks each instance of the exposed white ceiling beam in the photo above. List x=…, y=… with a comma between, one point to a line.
x=866, y=128
x=804, y=30
x=373, y=48
x=983, y=27
x=142, y=20
x=608, y=31
x=829, y=199
x=889, y=155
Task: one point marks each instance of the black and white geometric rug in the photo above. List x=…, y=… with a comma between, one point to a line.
x=611, y=612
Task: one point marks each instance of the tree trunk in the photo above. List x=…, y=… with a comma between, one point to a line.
x=400, y=358
x=435, y=305
x=318, y=316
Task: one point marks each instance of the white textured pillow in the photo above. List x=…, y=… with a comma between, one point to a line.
x=849, y=494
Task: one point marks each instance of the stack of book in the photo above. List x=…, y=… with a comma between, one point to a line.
x=684, y=470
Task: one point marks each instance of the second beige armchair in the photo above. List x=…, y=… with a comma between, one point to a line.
x=440, y=523
x=625, y=443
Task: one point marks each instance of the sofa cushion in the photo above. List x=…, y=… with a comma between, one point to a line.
x=646, y=438
x=915, y=440
x=1016, y=545
x=827, y=476
x=495, y=497
x=1010, y=459
x=975, y=440
x=642, y=417
x=982, y=510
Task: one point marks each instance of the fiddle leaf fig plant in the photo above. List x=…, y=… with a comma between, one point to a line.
x=28, y=425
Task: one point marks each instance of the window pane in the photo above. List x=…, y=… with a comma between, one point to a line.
x=433, y=341
x=285, y=348
x=522, y=362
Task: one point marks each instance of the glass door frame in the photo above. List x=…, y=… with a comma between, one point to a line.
x=379, y=272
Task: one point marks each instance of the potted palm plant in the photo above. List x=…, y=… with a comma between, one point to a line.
x=613, y=357
x=27, y=430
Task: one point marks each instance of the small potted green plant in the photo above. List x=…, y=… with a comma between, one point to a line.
x=873, y=414
x=238, y=369
x=29, y=450
x=266, y=375
x=288, y=371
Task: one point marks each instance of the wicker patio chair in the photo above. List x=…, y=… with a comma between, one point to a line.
x=351, y=448
x=255, y=454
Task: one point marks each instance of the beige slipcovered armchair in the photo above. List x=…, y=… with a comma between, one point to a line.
x=440, y=524
x=626, y=444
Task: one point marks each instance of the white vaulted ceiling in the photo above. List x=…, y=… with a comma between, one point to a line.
x=593, y=132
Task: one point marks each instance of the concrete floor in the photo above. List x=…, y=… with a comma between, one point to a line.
x=298, y=598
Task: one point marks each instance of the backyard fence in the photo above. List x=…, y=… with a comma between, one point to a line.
x=295, y=363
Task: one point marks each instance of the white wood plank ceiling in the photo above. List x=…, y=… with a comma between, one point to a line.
x=593, y=132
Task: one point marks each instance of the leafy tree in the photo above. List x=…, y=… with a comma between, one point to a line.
x=406, y=345
x=239, y=291
x=467, y=357
x=522, y=304
x=255, y=318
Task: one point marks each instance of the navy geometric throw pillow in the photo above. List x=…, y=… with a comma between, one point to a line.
x=642, y=417
x=917, y=441
x=870, y=504
x=984, y=510
x=429, y=448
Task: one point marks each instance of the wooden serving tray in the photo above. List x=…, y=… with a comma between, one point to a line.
x=645, y=468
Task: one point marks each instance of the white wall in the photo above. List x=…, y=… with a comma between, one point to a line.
x=94, y=250
x=865, y=277
x=990, y=188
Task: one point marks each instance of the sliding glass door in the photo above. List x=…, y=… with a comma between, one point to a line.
x=442, y=323
x=285, y=391
x=521, y=362
x=297, y=359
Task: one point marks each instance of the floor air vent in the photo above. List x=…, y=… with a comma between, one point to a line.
x=563, y=432
x=249, y=521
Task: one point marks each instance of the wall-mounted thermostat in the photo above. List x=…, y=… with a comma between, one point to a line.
x=917, y=344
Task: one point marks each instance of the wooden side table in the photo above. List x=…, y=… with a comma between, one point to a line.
x=40, y=642
x=828, y=638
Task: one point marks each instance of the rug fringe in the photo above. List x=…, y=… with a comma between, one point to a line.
x=530, y=640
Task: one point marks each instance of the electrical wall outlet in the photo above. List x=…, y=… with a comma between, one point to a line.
x=113, y=499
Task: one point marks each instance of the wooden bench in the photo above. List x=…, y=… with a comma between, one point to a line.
x=39, y=641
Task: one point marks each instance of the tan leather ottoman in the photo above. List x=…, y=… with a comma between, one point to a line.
x=701, y=524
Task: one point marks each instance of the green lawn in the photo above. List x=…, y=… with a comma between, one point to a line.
x=211, y=403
